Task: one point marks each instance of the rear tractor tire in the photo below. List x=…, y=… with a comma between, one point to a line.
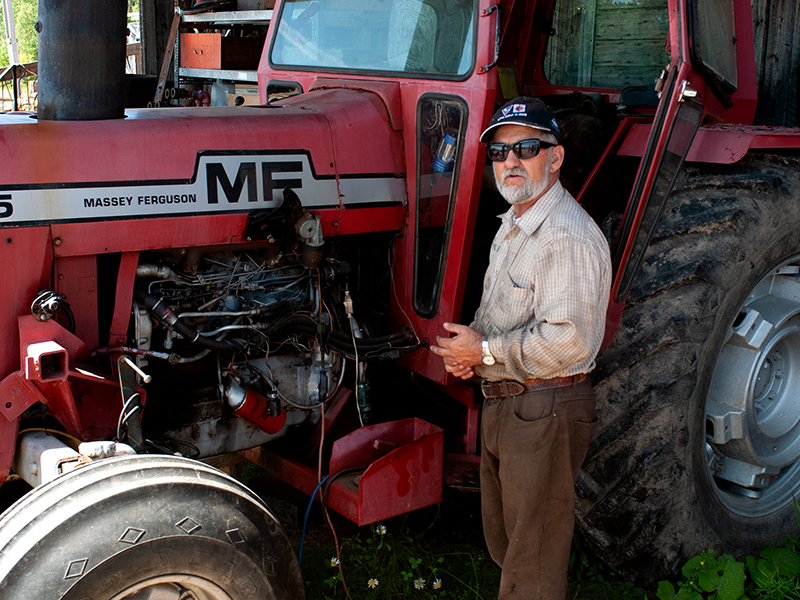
x=698, y=439
x=145, y=528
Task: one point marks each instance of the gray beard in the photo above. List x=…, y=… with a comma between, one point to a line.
x=519, y=194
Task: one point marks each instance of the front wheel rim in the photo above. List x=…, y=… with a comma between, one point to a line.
x=173, y=587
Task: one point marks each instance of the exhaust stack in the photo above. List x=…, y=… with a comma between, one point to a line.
x=81, y=59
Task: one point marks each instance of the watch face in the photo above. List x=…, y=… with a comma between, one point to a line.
x=486, y=357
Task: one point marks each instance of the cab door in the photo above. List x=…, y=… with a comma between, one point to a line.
x=676, y=121
x=700, y=80
x=444, y=162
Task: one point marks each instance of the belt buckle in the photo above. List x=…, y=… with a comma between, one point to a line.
x=488, y=389
x=505, y=388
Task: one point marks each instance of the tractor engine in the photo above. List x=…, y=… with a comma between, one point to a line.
x=246, y=345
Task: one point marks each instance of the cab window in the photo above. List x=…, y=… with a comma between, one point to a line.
x=607, y=43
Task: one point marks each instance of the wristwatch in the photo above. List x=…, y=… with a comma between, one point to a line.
x=486, y=355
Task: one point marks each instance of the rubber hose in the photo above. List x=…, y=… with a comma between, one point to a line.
x=164, y=314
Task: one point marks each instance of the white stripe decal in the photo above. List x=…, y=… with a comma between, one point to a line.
x=225, y=183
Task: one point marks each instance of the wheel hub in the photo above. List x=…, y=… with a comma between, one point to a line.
x=173, y=587
x=753, y=402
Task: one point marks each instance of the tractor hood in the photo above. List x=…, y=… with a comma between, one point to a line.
x=333, y=147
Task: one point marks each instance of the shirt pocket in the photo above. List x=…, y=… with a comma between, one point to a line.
x=513, y=302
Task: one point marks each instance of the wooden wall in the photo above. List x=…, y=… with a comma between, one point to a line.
x=608, y=43
x=156, y=18
x=776, y=25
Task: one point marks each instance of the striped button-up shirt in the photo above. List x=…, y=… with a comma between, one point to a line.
x=545, y=292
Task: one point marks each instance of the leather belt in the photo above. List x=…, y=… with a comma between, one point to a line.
x=508, y=388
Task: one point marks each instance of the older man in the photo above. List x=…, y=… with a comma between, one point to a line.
x=534, y=338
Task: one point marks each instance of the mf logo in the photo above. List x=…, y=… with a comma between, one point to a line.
x=247, y=180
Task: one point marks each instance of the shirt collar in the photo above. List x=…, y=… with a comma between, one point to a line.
x=532, y=218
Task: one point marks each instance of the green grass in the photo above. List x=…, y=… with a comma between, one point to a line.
x=442, y=561
x=442, y=542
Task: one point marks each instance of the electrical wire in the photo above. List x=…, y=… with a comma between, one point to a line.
x=305, y=520
x=125, y=417
x=358, y=404
x=338, y=552
x=397, y=298
x=71, y=438
x=324, y=497
x=274, y=387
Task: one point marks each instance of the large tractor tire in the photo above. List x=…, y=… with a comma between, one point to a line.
x=698, y=439
x=145, y=528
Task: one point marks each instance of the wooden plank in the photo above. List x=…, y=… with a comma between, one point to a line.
x=162, y=77
x=792, y=118
x=634, y=5
x=587, y=42
x=620, y=77
x=23, y=70
x=632, y=24
x=777, y=61
x=560, y=64
x=147, y=15
x=630, y=53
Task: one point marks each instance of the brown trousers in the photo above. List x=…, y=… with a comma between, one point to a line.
x=532, y=447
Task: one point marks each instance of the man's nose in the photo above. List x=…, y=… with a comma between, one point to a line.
x=512, y=160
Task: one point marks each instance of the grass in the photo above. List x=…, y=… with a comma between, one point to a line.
x=434, y=552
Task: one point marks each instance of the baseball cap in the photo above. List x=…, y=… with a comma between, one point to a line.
x=528, y=112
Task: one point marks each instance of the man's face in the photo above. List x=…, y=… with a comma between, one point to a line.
x=522, y=180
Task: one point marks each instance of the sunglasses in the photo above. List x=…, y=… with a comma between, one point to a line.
x=498, y=152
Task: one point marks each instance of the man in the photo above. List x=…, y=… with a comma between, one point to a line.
x=534, y=338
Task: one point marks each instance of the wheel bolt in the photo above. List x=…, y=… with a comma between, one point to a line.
x=776, y=356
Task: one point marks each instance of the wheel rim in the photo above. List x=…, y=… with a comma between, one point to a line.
x=173, y=587
x=753, y=403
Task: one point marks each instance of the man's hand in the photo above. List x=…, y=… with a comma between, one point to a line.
x=460, y=353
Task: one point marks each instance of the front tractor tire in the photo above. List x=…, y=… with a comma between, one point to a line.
x=698, y=439
x=145, y=528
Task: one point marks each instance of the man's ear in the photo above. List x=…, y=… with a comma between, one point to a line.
x=558, y=159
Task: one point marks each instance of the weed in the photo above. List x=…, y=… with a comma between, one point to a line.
x=772, y=575
x=394, y=563
x=592, y=579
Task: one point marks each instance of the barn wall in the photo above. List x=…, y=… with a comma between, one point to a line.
x=608, y=43
x=156, y=18
x=776, y=26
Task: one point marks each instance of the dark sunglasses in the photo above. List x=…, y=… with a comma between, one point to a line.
x=498, y=152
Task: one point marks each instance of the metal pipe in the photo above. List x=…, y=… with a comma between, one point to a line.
x=81, y=59
x=15, y=86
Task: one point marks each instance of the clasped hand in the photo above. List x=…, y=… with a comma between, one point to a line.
x=461, y=352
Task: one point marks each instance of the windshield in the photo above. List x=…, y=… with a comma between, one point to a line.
x=401, y=36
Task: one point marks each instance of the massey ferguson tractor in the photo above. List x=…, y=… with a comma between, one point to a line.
x=187, y=287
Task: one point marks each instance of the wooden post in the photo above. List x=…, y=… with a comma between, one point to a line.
x=586, y=51
x=162, y=77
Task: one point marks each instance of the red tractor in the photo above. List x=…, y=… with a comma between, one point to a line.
x=189, y=286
